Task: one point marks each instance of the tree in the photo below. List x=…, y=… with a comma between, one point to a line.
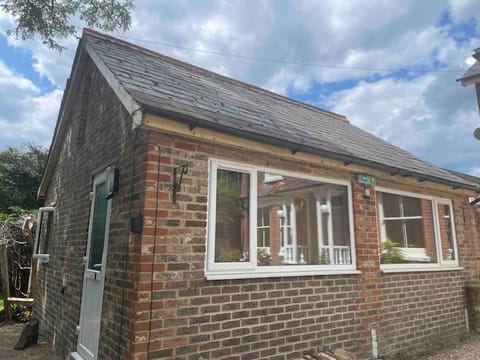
x=51, y=19
x=21, y=172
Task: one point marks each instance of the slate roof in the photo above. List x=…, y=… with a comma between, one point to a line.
x=169, y=87
x=473, y=72
x=471, y=178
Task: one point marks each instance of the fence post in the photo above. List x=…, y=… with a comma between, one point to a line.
x=5, y=282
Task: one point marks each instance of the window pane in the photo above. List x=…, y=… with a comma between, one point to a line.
x=341, y=230
x=303, y=215
x=391, y=205
x=415, y=233
x=409, y=240
x=98, y=228
x=394, y=230
x=411, y=206
x=232, y=216
x=263, y=228
x=446, y=232
x=45, y=230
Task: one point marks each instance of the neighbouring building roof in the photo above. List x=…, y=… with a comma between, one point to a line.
x=471, y=74
x=471, y=178
x=164, y=86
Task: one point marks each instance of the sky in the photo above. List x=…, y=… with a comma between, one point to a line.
x=389, y=66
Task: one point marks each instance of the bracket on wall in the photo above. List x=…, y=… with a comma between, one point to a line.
x=182, y=170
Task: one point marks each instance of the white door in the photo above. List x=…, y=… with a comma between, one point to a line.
x=94, y=275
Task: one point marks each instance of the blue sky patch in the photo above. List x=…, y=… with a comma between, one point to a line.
x=21, y=61
x=461, y=32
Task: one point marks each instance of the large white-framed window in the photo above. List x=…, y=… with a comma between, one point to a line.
x=264, y=222
x=416, y=231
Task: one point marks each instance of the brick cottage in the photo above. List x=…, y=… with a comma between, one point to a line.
x=192, y=216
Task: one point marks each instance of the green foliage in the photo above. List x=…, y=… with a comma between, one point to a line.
x=21, y=171
x=1, y=303
x=51, y=19
x=228, y=197
x=21, y=312
x=230, y=255
x=390, y=253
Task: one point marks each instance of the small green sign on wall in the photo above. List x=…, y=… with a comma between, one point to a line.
x=366, y=179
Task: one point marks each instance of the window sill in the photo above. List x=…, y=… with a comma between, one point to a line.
x=271, y=273
x=420, y=269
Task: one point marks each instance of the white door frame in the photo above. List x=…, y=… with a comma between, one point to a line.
x=93, y=280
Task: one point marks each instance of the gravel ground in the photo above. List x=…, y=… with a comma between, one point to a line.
x=9, y=335
x=467, y=350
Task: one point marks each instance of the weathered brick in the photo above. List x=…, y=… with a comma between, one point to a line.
x=273, y=318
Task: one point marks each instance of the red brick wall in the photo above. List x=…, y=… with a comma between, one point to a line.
x=157, y=299
x=98, y=135
x=276, y=318
x=421, y=310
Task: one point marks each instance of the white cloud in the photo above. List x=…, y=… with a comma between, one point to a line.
x=430, y=116
x=423, y=112
x=373, y=34
x=475, y=171
x=9, y=80
x=53, y=65
x=464, y=10
x=49, y=64
x=284, y=79
x=26, y=114
x=388, y=108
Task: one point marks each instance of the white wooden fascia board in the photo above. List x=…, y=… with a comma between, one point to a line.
x=131, y=105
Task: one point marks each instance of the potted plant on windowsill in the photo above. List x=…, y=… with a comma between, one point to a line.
x=473, y=301
x=390, y=253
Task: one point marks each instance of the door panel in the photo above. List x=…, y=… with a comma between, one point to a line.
x=94, y=277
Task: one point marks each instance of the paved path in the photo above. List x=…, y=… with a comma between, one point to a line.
x=9, y=335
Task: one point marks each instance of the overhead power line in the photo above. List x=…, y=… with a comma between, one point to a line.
x=285, y=62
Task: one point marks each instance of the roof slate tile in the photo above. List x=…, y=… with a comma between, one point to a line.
x=163, y=84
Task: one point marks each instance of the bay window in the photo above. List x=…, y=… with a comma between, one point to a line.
x=264, y=222
x=415, y=230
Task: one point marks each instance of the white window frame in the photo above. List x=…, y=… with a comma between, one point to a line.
x=435, y=201
x=437, y=231
x=43, y=257
x=243, y=270
x=249, y=265
x=263, y=229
